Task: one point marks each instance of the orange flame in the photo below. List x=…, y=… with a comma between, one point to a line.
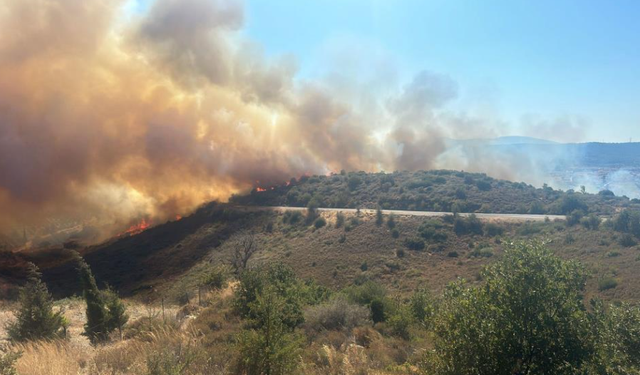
x=259, y=189
x=136, y=228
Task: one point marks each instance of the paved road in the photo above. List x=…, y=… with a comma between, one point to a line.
x=486, y=217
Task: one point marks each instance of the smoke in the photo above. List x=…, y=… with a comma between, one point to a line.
x=108, y=115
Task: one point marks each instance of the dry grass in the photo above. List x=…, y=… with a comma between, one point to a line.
x=53, y=358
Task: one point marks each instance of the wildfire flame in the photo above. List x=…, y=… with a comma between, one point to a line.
x=259, y=189
x=136, y=228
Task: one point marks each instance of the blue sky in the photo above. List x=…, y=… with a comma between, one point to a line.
x=551, y=60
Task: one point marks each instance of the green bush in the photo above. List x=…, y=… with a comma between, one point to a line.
x=319, y=223
x=215, y=277
x=395, y=233
x=414, y=244
x=493, y=229
x=336, y=314
x=270, y=347
x=468, y=225
x=282, y=280
x=391, y=222
x=607, y=283
x=423, y=307
x=400, y=321
x=378, y=313
x=627, y=240
x=7, y=363
x=528, y=317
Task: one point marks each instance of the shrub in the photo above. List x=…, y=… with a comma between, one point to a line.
x=529, y=296
x=400, y=321
x=319, y=223
x=607, y=283
x=627, y=240
x=7, y=363
x=354, y=182
x=254, y=282
x=117, y=312
x=422, y=307
x=292, y=217
x=493, y=229
x=574, y=218
x=400, y=253
x=395, y=233
x=379, y=218
x=628, y=221
x=468, y=225
x=483, y=185
x=337, y=314
x=391, y=222
x=271, y=347
x=591, y=222
x=617, y=330
x=570, y=203
x=414, y=244
x=215, y=277
x=364, y=266
x=482, y=253
x=452, y=254
x=378, y=314
x=364, y=294
x=35, y=318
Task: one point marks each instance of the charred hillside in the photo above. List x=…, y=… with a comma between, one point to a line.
x=438, y=190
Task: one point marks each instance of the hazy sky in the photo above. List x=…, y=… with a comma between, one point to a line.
x=530, y=65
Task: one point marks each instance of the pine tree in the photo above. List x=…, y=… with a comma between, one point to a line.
x=97, y=326
x=117, y=311
x=35, y=318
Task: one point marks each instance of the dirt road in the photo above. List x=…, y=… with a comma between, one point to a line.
x=481, y=216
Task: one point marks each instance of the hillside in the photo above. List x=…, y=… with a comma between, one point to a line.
x=165, y=258
x=336, y=265
x=440, y=190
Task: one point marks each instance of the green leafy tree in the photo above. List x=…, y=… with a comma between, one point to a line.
x=528, y=318
x=98, y=320
x=35, y=318
x=422, y=307
x=270, y=348
x=282, y=280
x=616, y=334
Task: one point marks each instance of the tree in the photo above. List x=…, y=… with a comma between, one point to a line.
x=118, y=316
x=35, y=319
x=97, y=326
x=616, y=333
x=245, y=247
x=379, y=218
x=528, y=318
x=279, y=278
x=271, y=348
